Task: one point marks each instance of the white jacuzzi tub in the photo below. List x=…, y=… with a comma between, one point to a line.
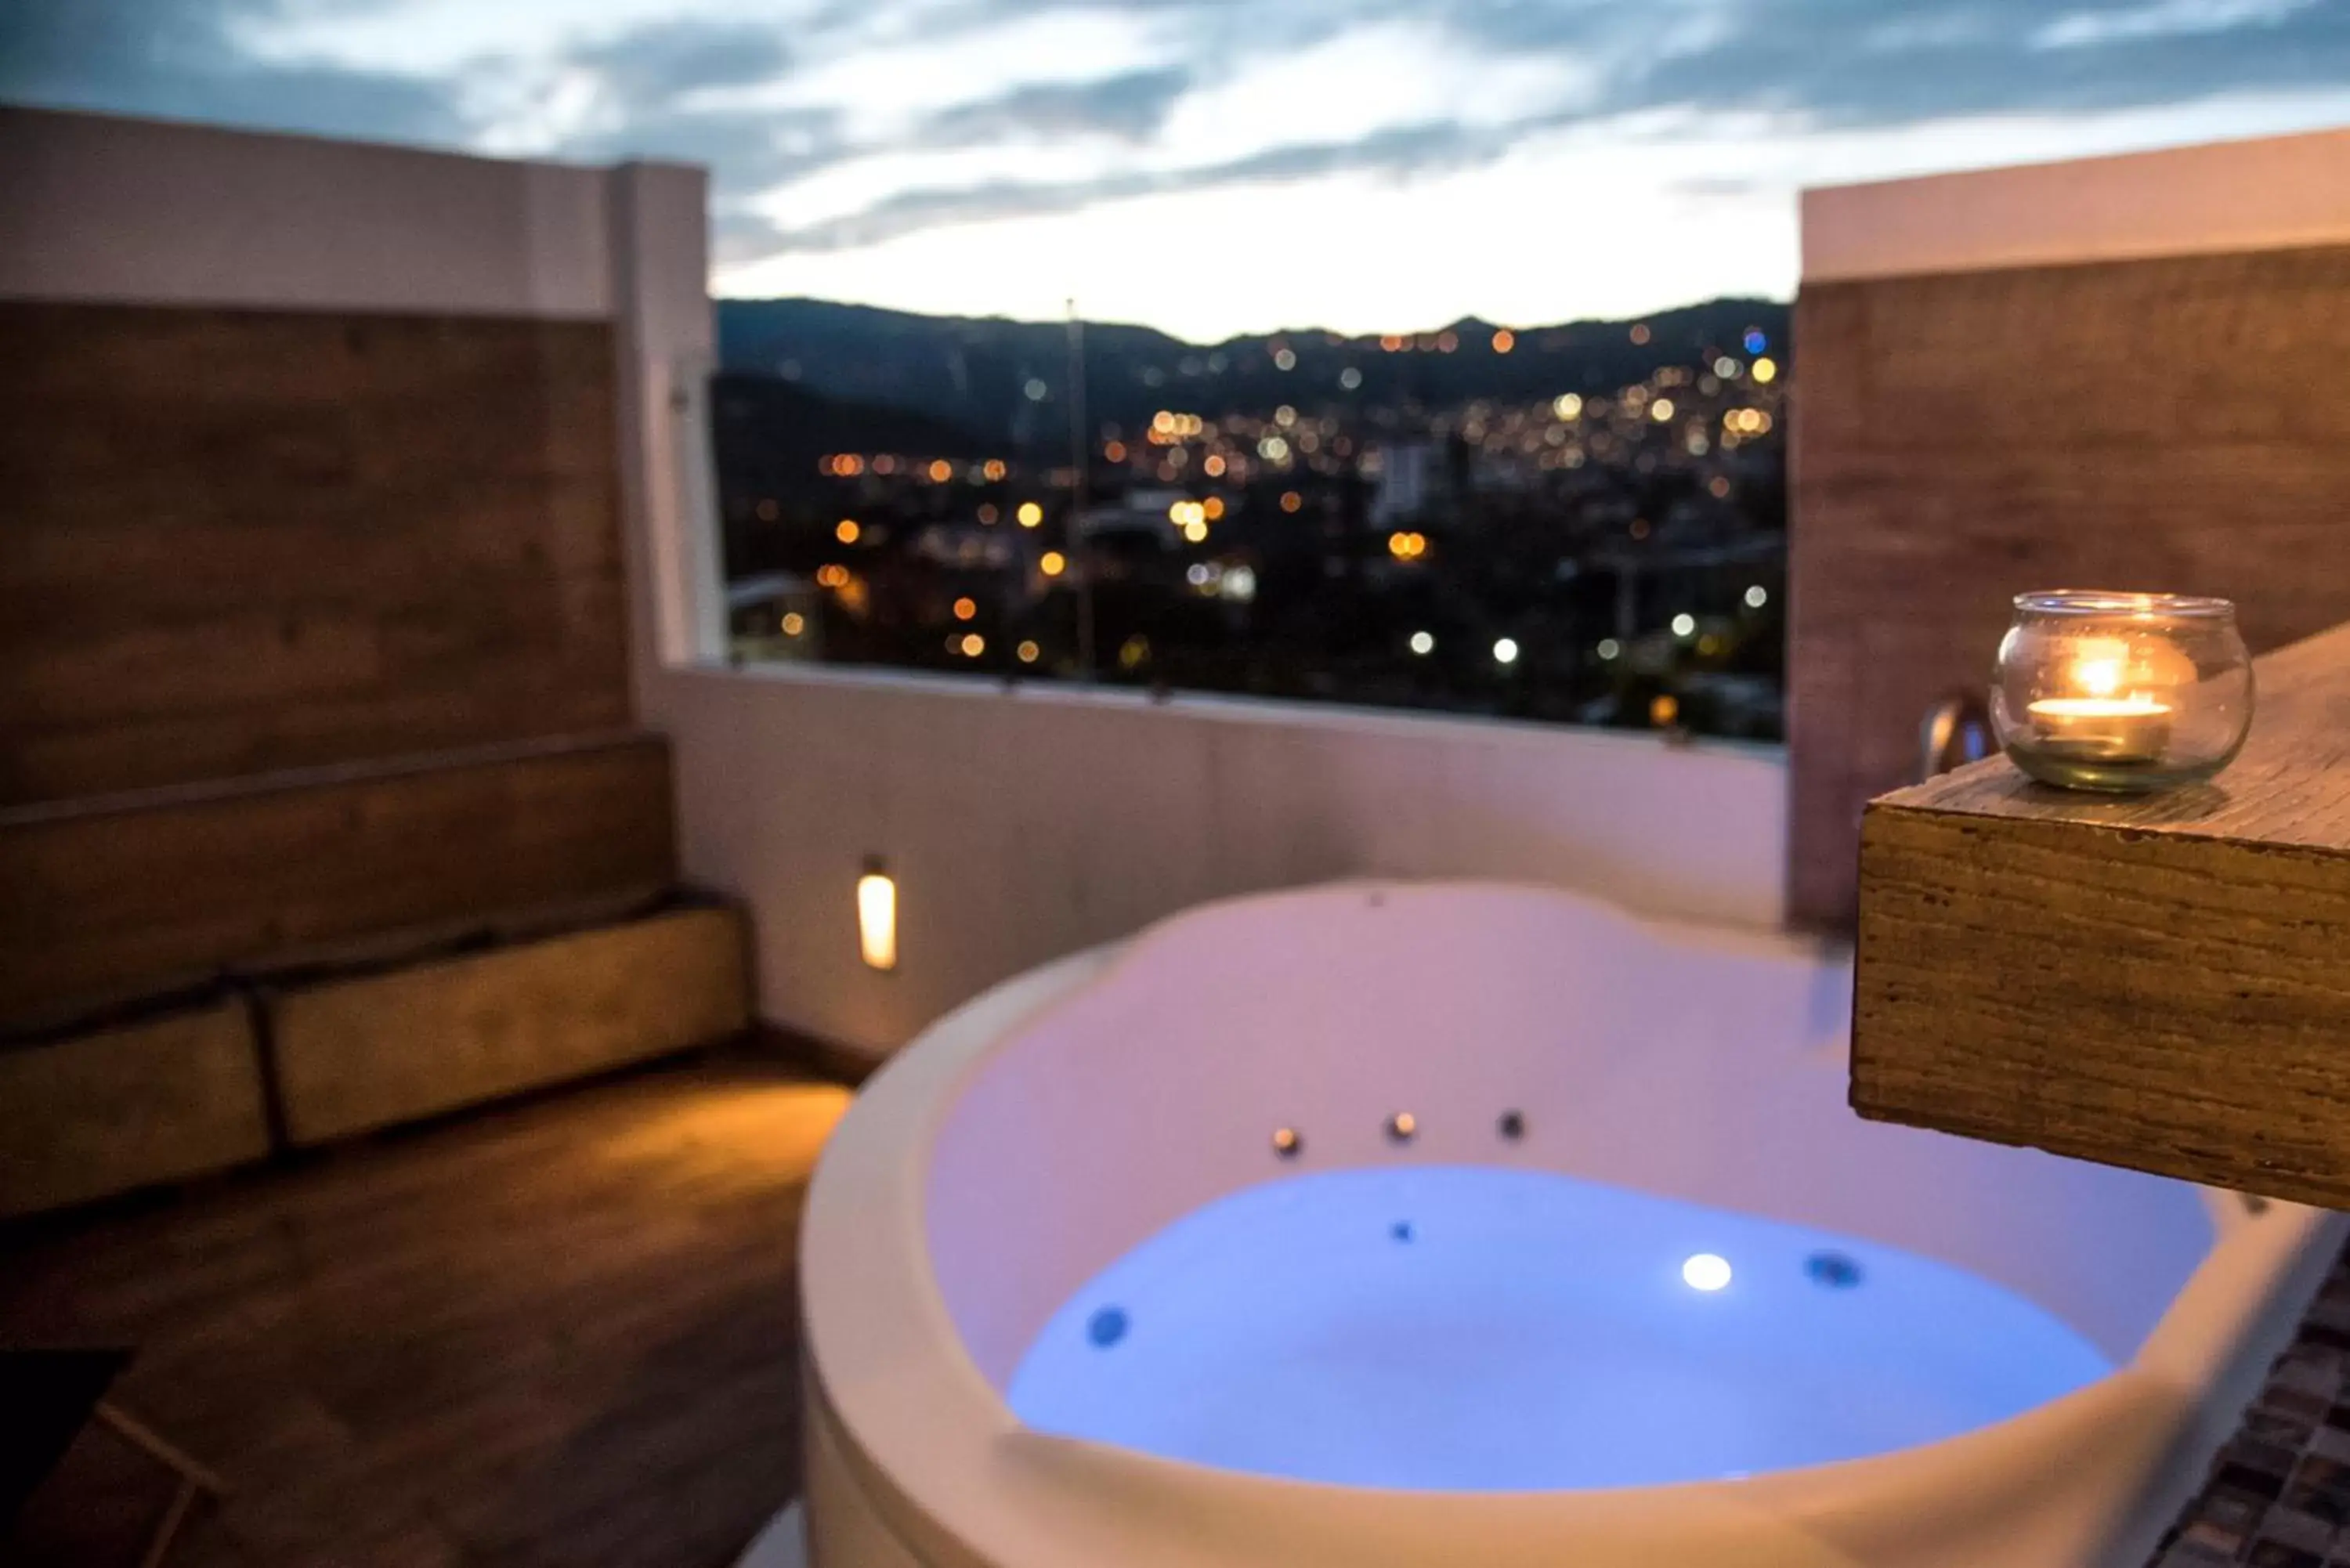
x=1040, y=1134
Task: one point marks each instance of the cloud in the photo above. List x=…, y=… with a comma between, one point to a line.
x=747, y=150
x=183, y=58
x=2165, y=18
x=1397, y=151
x=642, y=86
x=1817, y=64
x=739, y=235
x=1131, y=106
x=649, y=65
x=1847, y=62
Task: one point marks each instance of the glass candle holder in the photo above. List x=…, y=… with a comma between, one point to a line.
x=2124, y=692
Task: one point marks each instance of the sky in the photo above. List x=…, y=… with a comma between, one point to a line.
x=1213, y=167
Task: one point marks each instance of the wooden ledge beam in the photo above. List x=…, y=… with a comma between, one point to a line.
x=2158, y=981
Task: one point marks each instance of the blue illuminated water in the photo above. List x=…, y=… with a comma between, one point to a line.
x=1481, y=1329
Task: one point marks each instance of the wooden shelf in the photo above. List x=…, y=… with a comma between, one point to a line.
x=2159, y=981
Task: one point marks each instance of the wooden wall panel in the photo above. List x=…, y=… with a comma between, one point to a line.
x=104, y=900
x=238, y=541
x=2178, y=424
x=158, y=1100
x=366, y=1052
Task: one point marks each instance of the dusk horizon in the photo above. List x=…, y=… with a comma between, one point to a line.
x=1285, y=329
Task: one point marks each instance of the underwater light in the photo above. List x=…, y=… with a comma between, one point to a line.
x=1705, y=1271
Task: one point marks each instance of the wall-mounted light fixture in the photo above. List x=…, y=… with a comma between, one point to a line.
x=877, y=915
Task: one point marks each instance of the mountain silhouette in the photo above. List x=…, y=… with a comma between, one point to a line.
x=997, y=384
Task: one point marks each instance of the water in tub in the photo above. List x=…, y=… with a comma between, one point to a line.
x=1484, y=1329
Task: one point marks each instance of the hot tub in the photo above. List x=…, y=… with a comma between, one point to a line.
x=1407, y=1224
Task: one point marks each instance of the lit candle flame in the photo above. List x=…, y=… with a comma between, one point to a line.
x=2100, y=668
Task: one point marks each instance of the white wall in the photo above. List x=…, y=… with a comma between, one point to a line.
x=668, y=348
x=1024, y=825
x=2268, y=193
x=100, y=208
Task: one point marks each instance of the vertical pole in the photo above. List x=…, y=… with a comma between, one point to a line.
x=1080, y=465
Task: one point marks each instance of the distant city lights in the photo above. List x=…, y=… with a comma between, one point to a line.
x=1680, y=458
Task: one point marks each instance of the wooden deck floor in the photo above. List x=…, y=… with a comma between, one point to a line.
x=561, y=1332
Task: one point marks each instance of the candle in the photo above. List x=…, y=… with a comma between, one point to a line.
x=2135, y=729
x=2118, y=691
